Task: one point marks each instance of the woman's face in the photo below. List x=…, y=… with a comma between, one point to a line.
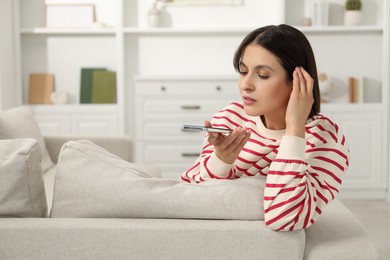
x=263, y=84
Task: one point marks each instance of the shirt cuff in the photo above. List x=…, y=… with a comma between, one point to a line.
x=292, y=147
x=217, y=167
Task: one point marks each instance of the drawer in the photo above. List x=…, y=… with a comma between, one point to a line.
x=172, y=130
x=99, y=124
x=186, y=153
x=187, y=88
x=182, y=107
x=53, y=124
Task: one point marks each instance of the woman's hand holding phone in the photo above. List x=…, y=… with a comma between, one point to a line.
x=228, y=147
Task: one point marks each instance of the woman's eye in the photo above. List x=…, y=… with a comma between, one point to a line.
x=243, y=73
x=263, y=76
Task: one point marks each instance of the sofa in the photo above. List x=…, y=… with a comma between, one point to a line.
x=92, y=203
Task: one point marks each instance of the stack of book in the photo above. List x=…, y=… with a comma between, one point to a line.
x=97, y=86
x=365, y=90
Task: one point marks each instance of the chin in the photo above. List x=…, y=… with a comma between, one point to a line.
x=250, y=111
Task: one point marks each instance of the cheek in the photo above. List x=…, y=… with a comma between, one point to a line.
x=274, y=90
x=277, y=95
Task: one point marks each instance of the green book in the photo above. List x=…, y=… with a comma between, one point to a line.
x=104, y=87
x=86, y=84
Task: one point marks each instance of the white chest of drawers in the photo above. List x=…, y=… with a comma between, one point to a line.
x=163, y=105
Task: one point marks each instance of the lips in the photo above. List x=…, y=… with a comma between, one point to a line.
x=248, y=100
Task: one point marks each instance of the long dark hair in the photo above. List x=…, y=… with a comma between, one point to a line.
x=292, y=49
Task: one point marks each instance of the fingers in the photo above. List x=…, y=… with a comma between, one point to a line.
x=302, y=81
x=207, y=123
x=212, y=137
x=236, y=140
x=308, y=79
x=228, y=147
x=296, y=81
x=239, y=145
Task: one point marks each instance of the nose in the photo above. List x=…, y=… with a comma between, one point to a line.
x=246, y=83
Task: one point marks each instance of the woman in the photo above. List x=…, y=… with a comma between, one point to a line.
x=277, y=132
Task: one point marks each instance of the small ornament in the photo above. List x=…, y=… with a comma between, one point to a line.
x=59, y=98
x=325, y=87
x=154, y=16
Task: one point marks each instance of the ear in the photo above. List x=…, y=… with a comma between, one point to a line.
x=290, y=86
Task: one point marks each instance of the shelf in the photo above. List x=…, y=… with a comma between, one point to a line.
x=159, y=78
x=55, y=31
x=74, y=107
x=167, y=30
x=327, y=29
x=365, y=107
x=341, y=29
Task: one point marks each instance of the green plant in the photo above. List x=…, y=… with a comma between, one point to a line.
x=353, y=5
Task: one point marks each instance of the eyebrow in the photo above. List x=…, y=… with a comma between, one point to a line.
x=260, y=66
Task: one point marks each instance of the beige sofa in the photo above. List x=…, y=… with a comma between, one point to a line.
x=81, y=228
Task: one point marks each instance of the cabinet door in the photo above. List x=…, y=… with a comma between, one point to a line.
x=363, y=132
x=53, y=124
x=101, y=124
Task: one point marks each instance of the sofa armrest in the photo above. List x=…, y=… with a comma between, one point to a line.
x=118, y=145
x=338, y=234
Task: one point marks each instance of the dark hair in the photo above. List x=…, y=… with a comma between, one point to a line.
x=292, y=49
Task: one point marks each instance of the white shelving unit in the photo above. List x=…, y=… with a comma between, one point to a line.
x=64, y=52
x=156, y=55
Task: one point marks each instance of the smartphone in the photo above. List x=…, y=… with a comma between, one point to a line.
x=199, y=128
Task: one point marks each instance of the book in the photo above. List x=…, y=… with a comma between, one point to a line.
x=104, y=87
x=353, y=90
x=41, y=86
x=372, y=90
x=320, y=13
x=86, y=84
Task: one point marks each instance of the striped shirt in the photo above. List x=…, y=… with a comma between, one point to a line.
x=302, y=175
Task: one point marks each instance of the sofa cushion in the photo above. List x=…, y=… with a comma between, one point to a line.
x=22, y=192
x=91, y=182
x=20, y=122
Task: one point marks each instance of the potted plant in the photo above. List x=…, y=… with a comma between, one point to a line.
x=353, y=12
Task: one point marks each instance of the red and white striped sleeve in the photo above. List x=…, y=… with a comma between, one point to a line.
x=208, y=166
x=304, y=177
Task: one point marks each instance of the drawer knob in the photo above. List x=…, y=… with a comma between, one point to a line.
x=187, y=107
x=163, y=88
x=218, y=88
x=190, y=155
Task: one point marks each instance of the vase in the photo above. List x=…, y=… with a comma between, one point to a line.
x=154, y=16
x=352, y=17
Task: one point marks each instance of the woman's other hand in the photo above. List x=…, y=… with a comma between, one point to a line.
x=300, y=103
x=228, y=147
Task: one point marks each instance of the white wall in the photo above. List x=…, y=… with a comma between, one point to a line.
x=251, y=13
x=8, y=90
x=202, y=54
